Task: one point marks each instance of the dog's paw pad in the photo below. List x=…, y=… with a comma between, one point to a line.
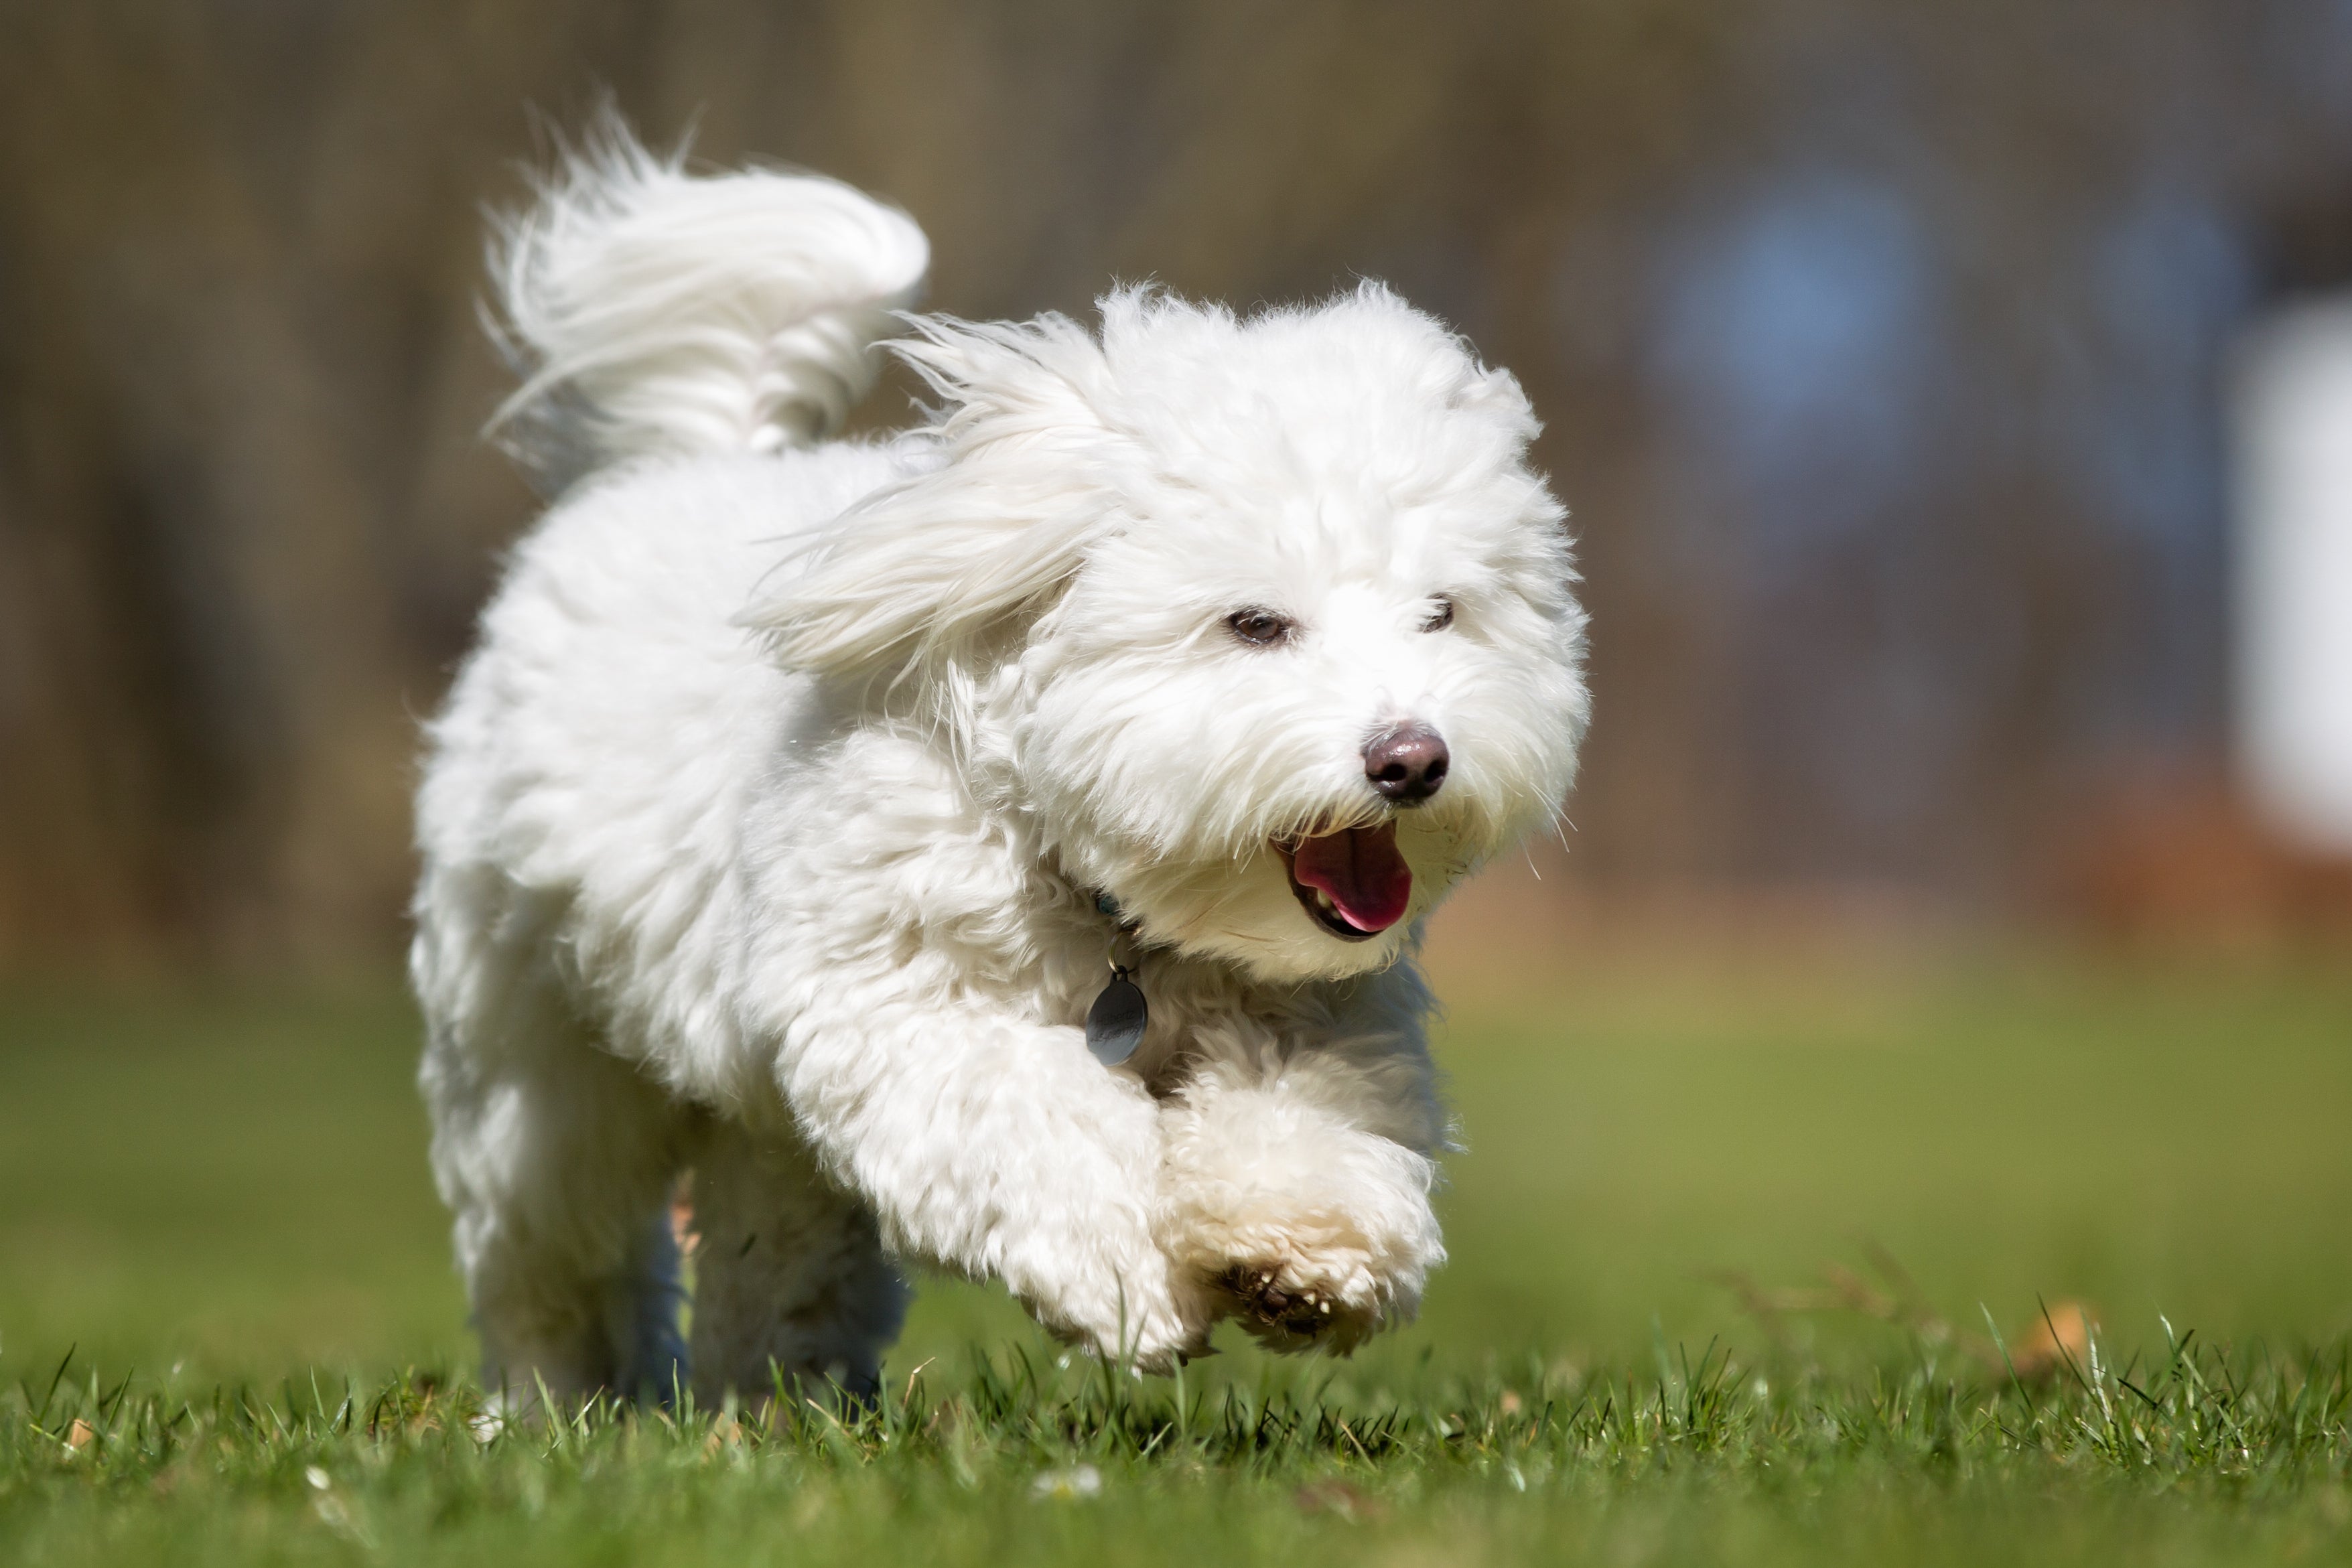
x=1285, y=1313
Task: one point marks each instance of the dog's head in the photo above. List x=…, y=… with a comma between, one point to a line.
x=1263, y=624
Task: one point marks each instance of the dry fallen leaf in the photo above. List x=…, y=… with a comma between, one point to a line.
x=79, y=1435
x=2060, y=1335
x=1334, y=1496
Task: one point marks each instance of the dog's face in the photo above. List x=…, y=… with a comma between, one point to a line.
x=1273, y=639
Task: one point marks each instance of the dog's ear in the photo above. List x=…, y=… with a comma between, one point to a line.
x=994, y=526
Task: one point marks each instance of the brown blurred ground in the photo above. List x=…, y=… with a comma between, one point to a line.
x=245, y=518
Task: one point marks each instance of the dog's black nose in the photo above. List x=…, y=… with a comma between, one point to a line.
x=1406, y=764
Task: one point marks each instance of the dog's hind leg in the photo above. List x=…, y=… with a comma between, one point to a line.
x=558, y=1159
x=790, y=1281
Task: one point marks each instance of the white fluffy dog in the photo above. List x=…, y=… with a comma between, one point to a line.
x=790, y=819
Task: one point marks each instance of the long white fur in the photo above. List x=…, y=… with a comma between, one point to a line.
x=653, y=312
x=764, y=832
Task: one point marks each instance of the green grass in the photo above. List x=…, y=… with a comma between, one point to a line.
x=218, y=1204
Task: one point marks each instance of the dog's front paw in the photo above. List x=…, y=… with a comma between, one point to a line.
x=1315, y=1239
x=1152, y=1317
x=1305, y=1271
x=1285, y=1312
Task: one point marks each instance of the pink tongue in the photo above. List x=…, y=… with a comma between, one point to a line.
x=1360, y=871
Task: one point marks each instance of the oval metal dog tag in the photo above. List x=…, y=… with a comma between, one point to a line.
x=1114, y=1024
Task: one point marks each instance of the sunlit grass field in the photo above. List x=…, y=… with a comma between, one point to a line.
x=216, y=1201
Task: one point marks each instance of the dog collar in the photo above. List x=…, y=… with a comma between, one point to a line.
x=1116, y=1022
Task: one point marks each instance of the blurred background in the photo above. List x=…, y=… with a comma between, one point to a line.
x=1953, y=397
x=1888, y=355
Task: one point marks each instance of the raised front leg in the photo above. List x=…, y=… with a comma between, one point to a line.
x=998, y=1148
x=1297, y=1183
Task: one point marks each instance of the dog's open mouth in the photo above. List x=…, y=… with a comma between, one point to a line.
x=1353, y=883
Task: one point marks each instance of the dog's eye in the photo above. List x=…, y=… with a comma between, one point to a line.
x=1259, y=628
x=1439, y=619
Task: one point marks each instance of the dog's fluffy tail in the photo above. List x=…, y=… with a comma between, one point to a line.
x=650, y=311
